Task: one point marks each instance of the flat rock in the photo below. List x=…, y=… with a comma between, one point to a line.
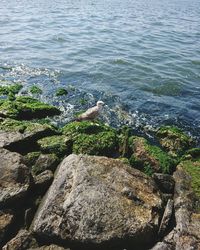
x=98, y=201
x=14, y=177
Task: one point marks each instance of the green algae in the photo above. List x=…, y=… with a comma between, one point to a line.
x=11, y=89
x=61, y=92
x=25, y=107
x=35, y=90
x=149, y=158
x=174, y=140
x=58, y=144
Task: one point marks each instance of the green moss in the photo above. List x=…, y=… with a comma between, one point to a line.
x=11, y=125
x=61, y=92
x=193, y=169
x=35, y=90
x=92, y=138
x=26, y=108
x=174, y=140
x=59, y=145
x=103, y=143
x=149, y=158
x=31, y=158
x=11, y=89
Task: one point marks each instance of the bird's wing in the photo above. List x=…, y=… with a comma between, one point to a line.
x=91, y=113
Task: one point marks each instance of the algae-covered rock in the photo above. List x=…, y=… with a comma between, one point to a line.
x=92, y=138
x=192, y=167
x=10, y=89
x=14, y=177
x=26, y=108
x=35, y=90
x=148, y=158
x=45, y=162
x=99, y=202
x=21, y=136
x=61, y=92
x=59, y=145
x=174, y=140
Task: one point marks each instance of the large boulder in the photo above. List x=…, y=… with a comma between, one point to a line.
x=25, y=107
x=21, y=135
x=99, y=202
x=14, y=177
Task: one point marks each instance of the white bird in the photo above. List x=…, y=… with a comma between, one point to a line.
x=91, y=113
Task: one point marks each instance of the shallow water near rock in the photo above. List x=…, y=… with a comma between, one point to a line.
x=140, y=57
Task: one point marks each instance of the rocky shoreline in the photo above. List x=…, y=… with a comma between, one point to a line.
x=90, y=186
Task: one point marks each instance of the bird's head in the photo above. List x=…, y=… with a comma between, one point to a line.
x=100, y=104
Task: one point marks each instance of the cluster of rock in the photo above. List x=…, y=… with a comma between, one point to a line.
x=59, y=189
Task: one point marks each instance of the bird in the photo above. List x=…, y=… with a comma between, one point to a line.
x=91, y=113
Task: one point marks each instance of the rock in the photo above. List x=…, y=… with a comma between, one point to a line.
x=59, y=145
x=165, y=182
x=167, y=217
x=26, y=108
x=186, y=234
x=97, y=201
x=43, y=181
x=50, y=247
x=6, y=221
x=45, y=162
x=14, y=177
x=20, y=136
x=92, y=138
x=22, y=241
x=148, y=158
x=174, y=140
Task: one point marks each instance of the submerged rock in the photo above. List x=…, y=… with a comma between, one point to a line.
x=148, y=158
x=14, y=177
x=174, y=140
x=99, y=202
x=24, y=107
x=21, y=135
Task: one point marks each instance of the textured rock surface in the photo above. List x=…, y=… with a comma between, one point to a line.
x=22, y=241
x=14, y=177
x=50, y=247
x=20, y=134
x=97, y=200
x=186, y=234
x=165, y=182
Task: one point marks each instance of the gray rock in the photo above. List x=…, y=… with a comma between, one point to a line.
x=50, y=247
x=14, y=177
x=22, y=241
x=43, y=181
x=167, y=216
x=186, y=234
x=99, y=201
x=45, y=162
x=165, y=182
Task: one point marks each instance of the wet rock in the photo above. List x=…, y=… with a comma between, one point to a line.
x=92, y=138
x=97, y=201
x=59, y=145
x=148, y=158
x=14, y=177
x=174, y=140
x=6, y=221
x=22, y=241
x=45, y=162
x=20, y=136
x=24, y=107
x=165, y=182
